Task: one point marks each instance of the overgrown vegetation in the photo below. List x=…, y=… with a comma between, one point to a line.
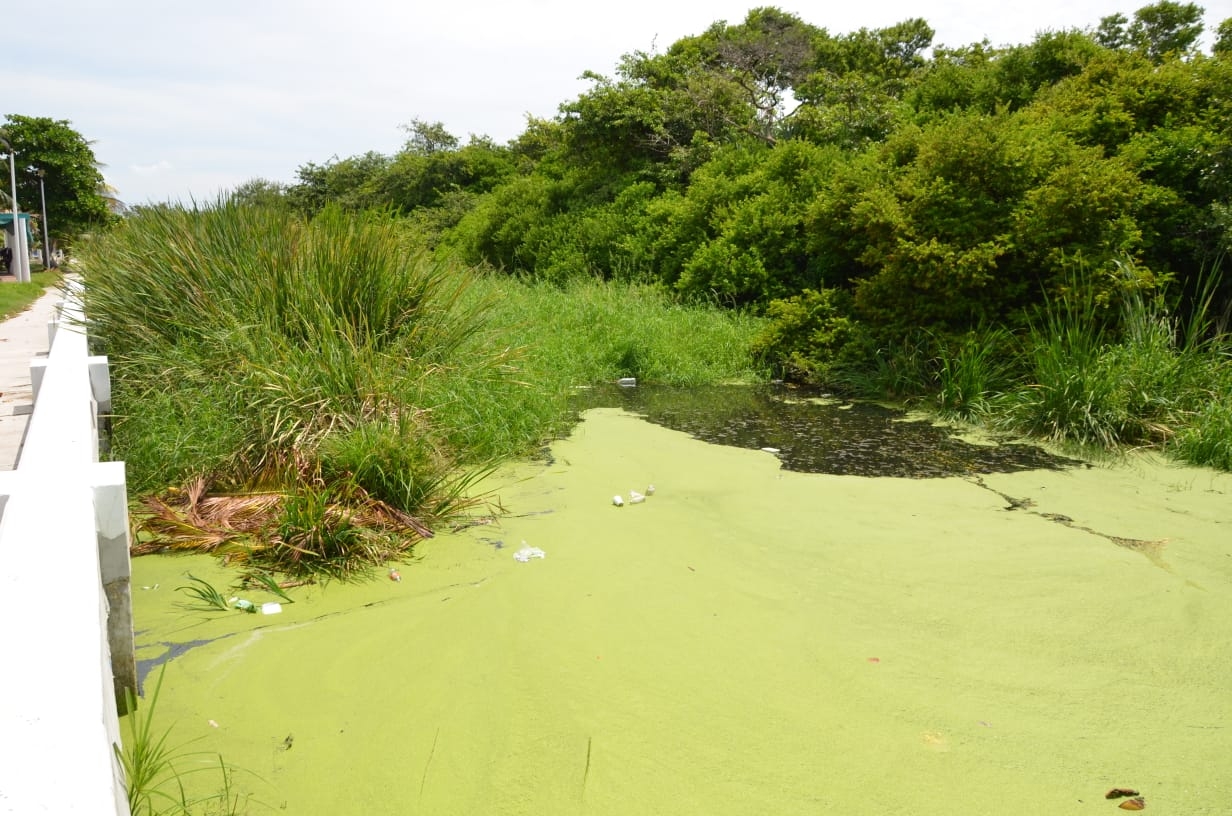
x=952, y=227
x=311, y=396
x=1027, y=235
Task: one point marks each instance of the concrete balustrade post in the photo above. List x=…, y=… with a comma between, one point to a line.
x=115, y=571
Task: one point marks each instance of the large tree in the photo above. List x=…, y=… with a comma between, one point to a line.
x=1161, y=30
x=71, y=177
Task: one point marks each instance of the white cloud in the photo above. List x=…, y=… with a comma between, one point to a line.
x=151, y=169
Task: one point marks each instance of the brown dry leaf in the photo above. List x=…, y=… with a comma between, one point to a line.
x=1137, y=803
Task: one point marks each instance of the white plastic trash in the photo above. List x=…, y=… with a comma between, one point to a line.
x=619, y=502
x=628, y=382
x=635, y=497
x=271, y=608
x=527, y=553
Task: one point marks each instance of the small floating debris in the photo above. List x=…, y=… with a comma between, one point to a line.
x=619, y=502
x=771, y=450
x=394, y=575
x=627, y=382
x=527, y=553
x=1137, y=803
x=635, y=497
x=244, y=605
x=1117, y=793
x=212, y=723
x=650, y=490
x=271, y=608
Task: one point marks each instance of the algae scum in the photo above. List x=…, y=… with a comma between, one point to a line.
x=814, y=433
x=749, y=639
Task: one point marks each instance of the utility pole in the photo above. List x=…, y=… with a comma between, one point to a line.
x=48, y=261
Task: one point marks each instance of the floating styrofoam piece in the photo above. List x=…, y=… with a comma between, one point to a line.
x=271, y=608
x=619, y=502
x=635, y=497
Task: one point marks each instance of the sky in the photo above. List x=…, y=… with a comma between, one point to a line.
x=183, y=101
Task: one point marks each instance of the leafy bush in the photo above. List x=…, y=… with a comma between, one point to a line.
x=805, y=334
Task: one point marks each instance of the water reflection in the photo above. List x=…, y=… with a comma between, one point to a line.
x=814, y=435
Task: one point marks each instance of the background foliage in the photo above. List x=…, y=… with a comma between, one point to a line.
x=77, y=199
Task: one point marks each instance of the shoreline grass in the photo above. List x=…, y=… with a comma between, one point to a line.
x=1100, y=379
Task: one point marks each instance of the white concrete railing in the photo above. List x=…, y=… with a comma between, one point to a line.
x=66, y=633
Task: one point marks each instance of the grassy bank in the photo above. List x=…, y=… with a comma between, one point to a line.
x=1083, y=373
x=586, y=332
x=312, y=396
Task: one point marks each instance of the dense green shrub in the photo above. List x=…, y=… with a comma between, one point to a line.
x=805, y=334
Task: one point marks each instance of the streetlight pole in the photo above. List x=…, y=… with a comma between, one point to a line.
x=48, y=261
x=19, y=235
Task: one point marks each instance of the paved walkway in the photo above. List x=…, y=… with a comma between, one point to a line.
x=22, y=339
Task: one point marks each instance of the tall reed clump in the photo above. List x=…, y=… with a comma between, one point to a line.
x=252, y=352
x=971, y=370
x=1128, y=375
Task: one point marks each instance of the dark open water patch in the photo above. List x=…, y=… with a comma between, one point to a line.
x=820, y=436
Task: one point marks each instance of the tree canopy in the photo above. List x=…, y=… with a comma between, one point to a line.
x=915, y=187
x=72, y=180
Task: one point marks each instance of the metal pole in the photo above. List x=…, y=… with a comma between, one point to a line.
x=48, y=261
x=13, y=201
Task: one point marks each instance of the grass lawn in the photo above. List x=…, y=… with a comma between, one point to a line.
x=17, y=297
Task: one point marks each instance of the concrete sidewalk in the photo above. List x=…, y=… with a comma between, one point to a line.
x=22, y=339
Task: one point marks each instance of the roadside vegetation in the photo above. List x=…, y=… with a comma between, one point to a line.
x=15, y=297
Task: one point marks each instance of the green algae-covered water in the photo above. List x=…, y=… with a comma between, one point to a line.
x=747, y=640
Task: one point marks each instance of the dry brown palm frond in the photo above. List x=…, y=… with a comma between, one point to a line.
x=159, y=533
x=192, y=497
x=199, y=522
x=244, y=513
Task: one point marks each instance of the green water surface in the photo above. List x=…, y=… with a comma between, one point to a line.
x=749, y=640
